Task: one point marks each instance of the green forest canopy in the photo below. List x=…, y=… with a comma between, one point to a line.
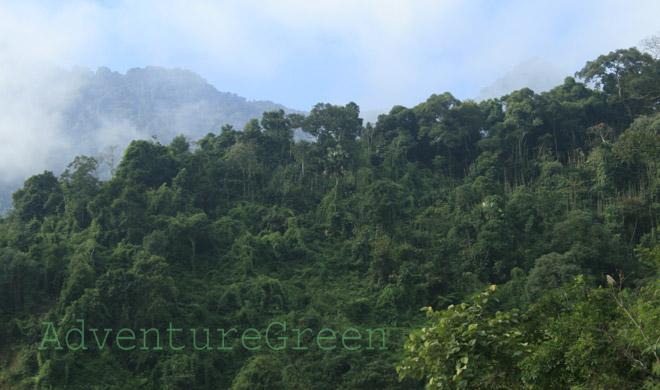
x=544, y=195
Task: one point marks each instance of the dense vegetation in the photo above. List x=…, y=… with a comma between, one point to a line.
x=553, y=197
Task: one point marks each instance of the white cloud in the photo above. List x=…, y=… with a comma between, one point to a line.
x=32, y=98
x=373, y=52
x=33, y=92
x=296, y=52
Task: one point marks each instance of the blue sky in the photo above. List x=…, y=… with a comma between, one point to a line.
x=376, y=53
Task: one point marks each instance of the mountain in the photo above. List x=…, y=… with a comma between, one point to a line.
x=94, y=113
x=154, y=101
x=536, y=73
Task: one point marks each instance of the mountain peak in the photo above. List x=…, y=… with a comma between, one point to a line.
x=535, y=73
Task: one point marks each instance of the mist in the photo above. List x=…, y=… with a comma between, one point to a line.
x=377, y=54
x=32, y=102
x=537, y=74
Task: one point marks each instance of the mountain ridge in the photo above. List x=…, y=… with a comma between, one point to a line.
x=105, y=109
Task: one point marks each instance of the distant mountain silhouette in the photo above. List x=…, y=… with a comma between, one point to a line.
x=107, y=110
x=153, y=101
x=535, y=73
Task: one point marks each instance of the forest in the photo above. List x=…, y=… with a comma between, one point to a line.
x=511, y=243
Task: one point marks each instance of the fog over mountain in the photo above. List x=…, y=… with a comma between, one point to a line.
x=145, y=102
x=49, y=115
x=536, y=73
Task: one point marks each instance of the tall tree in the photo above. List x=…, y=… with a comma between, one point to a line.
x=41, y=195
x=629, y=77
x=80, y=185
x=333, y=125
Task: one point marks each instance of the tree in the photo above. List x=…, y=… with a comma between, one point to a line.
x=629, y=77
x=245, y=157
x=578, y=340
x=651, y=44
x=652, y=347
x=642, y=139
x=401, y=121
x=251, y=131
x=333, y=125
x=79, y=186
x=147, y=163
x=395, y=140
x=384, y=203
x=550, y=271
x=19, y=279
x=41, y=195
x=334, y=163
x=190, y=229
x=302, y=152
x=180, y=145
x=279, y=133
x=448, y=128
x=467, y=346
x=523, y=116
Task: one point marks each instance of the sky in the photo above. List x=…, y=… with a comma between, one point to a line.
x=301, y=52
x=297, y=53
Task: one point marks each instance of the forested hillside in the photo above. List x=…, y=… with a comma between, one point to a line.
x=525, y=226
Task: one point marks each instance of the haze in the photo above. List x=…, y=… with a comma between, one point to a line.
x=296, y=53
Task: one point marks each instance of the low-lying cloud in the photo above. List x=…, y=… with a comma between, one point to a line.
x=294, y=52
x=32, y=101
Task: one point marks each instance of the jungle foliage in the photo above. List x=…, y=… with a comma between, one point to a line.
x=526, y=226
